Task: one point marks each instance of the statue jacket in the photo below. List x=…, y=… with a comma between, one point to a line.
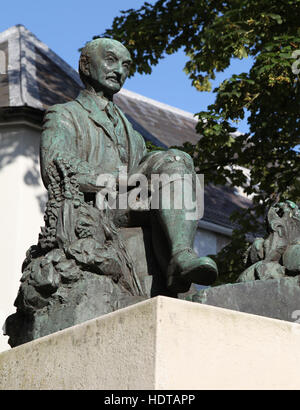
x=82, y=133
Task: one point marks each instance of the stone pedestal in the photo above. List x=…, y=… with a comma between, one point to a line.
x=91, y=296
x=275, y=298
x=161, y=343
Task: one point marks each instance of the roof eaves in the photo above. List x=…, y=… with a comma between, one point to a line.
x=24, y=114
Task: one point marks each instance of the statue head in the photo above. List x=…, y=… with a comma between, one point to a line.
x=283, y=221
x=104, y=65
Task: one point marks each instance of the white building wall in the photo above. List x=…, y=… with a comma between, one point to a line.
x=23, y=199
x=205, y=242
x=211, y=238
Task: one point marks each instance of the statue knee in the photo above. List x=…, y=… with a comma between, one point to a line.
x=171, y=161
x=176, y=160
x=184, y=156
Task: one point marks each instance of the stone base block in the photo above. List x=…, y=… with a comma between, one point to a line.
x=275, y=298
x=161, y=343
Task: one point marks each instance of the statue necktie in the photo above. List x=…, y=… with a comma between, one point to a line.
x=111, y=112
x=119, y=130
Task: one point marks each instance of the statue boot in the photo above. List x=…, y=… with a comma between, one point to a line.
x=186, y=267
x=173, y=238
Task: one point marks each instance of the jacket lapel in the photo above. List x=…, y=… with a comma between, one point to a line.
x=97, y=114
x=96, y=111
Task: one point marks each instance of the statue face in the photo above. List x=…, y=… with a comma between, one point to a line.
x=109, y=66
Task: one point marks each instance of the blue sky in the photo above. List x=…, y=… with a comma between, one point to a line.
x=66, y=25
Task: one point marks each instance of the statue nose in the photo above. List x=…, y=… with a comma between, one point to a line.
x=119, y=69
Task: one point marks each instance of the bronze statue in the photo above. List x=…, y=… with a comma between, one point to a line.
x=94, y=137
x=279, y=254
x=82, y=140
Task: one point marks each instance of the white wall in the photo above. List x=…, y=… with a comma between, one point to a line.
x=208, y=242
x=23, y=199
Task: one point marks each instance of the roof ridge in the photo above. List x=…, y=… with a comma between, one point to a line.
x=21, y=30
x=67, y=68
x=4, y=35
x=23, y=48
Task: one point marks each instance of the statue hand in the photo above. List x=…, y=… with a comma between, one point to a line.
x=88, y=183
x=94, y=183
x=255, y=252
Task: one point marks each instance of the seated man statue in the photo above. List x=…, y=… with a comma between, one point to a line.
x=82, y=140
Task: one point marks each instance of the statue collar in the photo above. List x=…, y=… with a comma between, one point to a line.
x=95, y=106
x=91, y=101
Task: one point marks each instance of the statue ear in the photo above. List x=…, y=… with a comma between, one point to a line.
x=84, y=65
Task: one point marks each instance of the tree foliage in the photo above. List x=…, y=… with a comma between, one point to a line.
x=212, y=33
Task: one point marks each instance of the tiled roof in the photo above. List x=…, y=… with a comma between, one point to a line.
x=169, y=125
x=32, y=75
x=220, y=202
x=36, y=76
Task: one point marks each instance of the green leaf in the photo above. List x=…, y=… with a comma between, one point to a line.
x=241, y=52
x=276, y=17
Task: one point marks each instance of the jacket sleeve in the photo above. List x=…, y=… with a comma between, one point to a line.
x=142, y=144
x=58, y=143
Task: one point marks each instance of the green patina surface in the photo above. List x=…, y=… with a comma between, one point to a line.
x=82, y=140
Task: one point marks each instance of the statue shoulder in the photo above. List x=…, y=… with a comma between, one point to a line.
x=62, y=116
x=62, y=109
x=59, y=119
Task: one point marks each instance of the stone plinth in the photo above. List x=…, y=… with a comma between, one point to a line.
x=90, y=297
x=275, y=298
x=161, y=343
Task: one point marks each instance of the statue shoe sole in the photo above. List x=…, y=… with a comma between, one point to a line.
x=202, y=271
